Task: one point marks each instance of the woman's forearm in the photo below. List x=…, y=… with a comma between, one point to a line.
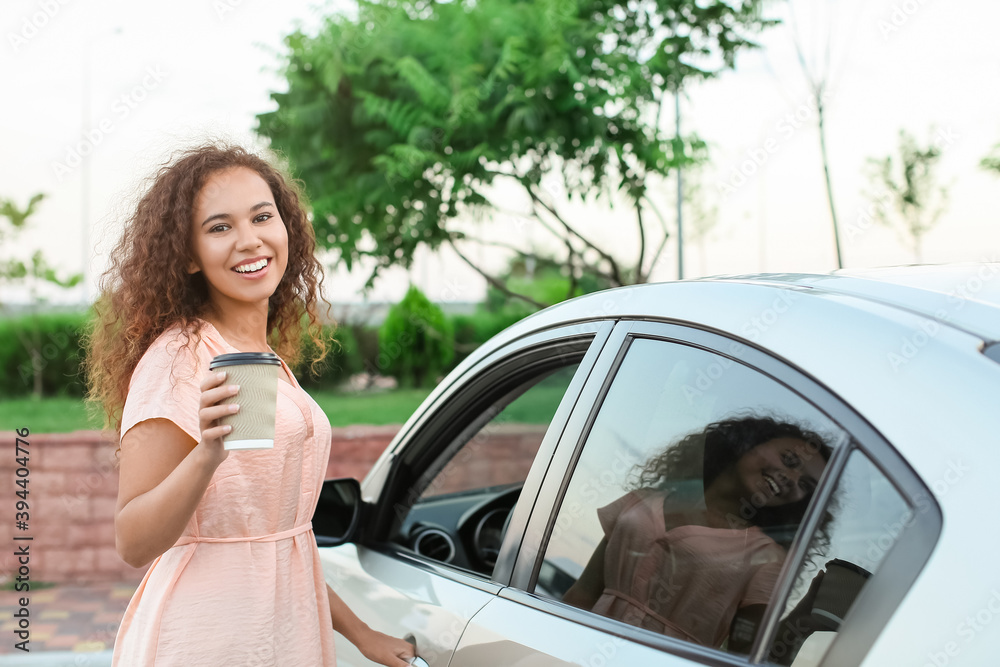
x=345, y=621
x=152, y=522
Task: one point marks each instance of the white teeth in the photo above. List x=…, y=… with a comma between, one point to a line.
x=775, y=489
x=248, y=268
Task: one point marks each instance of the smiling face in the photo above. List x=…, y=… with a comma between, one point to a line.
x=780, y=471
x=239, y=241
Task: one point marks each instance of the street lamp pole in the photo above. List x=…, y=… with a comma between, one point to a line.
x=680, y=187
x=85, y=159
x=85, y=174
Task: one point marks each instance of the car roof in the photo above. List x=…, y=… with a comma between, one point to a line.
x=965, y=297
x=908, y=332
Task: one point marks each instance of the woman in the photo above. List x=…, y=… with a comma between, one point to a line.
x=694, y=550
x=218, y=257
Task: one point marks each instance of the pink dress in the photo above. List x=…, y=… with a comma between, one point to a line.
x=243, y=585
x=686, y=582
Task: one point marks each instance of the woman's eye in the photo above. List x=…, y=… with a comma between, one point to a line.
x=218, y=228
x=790, y=460
x=263, y=217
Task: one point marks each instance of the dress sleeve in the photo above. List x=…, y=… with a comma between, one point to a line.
x=609, y=514
x=766, y=566
x=166, y=384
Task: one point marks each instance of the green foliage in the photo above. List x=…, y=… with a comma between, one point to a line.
x=542, y=279
x=380, y=407
x=399, y=118
x=17, y=218
x=477, y=328
x=354, y=350
x=42, y=346
x=992, y=161
x=473, y=330
x=911, y=202
x=37, y=269
x=416, y=341
x=50, y=414
x=340, y=363
x=63, y=415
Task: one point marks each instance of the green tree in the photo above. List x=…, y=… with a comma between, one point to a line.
x=542, y=279
x=416, y=341
x=35, y=272
x=992, y=161
x=910, y=202
x=401, y=118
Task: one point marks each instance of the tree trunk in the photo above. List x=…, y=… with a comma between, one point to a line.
x=826, y=173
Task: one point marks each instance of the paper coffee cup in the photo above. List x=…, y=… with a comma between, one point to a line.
x=841, y=584
x=257, y=375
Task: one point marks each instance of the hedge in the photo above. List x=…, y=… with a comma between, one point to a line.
x=342, y=360
x=47, y=345
x=57, y=339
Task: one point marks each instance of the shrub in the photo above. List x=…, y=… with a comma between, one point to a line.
x=342, y=359
x=473, y=330
x=416, y=341
x=43, y=352
x=366, y=338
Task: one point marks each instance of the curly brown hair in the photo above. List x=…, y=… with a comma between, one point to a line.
x=705, y=454
x=147, y=289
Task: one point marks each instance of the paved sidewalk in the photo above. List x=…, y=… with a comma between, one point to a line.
x=57, y=659
x=71, y=625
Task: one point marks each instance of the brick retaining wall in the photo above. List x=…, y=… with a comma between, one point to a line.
x=73, y=487
x=72, y=490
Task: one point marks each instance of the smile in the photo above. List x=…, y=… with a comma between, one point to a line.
x=252, y=267
x=775, y=489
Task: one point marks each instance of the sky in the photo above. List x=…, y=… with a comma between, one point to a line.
x=126, y=83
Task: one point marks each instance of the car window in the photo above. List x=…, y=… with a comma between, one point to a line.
x=500, y=451
x=457, y=509
x=687, y=494
x=866, y=517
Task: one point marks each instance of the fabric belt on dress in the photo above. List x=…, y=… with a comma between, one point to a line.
x=273, y=537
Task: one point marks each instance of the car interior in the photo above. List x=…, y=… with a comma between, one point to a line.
x=458, y=508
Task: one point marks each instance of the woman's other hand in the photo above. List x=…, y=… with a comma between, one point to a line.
x=385, y=650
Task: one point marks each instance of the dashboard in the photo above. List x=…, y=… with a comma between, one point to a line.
x=462, y=529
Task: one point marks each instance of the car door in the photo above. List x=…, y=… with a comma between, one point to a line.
x=654, y=388
x=466, y=470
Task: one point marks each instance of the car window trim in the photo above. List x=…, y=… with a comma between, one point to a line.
x=450, y=572
x=800, y=546
x=451, y=403
x=514, y=538
x=702, y=655
x=539, y=523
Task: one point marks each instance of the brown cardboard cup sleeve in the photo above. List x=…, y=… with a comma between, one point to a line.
x=257, y=375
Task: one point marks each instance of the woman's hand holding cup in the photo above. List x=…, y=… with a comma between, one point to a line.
x=211, y=411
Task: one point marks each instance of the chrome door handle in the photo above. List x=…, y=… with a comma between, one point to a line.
x=416, y=660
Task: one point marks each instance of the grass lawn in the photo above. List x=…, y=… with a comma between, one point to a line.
x=63, y=415
x=390, y=407
x=49, y=415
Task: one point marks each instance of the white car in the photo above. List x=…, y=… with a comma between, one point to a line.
x=516, y=518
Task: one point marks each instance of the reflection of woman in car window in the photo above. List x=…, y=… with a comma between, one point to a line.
x=694, y=549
